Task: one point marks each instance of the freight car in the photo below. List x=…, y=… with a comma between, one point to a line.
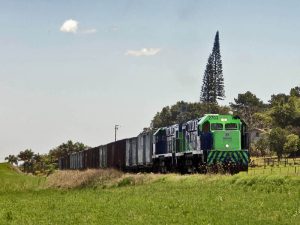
x=195, y=146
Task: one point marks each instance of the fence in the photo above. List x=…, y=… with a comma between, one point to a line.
x=274, y=161
x=269, y=170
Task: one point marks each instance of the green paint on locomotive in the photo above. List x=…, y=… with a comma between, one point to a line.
x=181, y=140
x=227, y=139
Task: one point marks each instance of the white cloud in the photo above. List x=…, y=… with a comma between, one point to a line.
x=69, y=26
x=143, y=52
x=89, y=31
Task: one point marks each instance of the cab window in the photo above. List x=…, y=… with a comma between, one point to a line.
x=231, y=126
x=217, y=126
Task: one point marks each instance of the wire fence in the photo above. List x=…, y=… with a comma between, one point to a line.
x=274, y=161
x=269, y=170
x=273, y=165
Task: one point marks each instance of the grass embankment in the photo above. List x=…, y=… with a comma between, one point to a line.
x=115, y=198
x=11, y=179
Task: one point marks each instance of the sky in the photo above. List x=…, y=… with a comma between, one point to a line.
x=71, y=70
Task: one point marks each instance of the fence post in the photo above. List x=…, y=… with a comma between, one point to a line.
x=285, y=163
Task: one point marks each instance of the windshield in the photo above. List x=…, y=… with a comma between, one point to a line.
x=216, y=126
x=231, y=126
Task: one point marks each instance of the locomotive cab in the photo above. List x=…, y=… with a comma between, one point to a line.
x=224, y=140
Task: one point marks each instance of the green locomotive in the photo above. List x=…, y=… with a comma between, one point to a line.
x=208, y=142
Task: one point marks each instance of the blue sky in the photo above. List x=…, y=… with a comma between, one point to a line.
x=57, y=85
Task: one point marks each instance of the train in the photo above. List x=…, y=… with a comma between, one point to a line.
x=209, y=143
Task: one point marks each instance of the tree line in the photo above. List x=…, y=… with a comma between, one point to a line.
x=44, y=163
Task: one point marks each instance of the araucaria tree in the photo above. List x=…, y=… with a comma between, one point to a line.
x=213, y=81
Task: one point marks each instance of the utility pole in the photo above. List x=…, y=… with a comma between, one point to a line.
x=116, y=128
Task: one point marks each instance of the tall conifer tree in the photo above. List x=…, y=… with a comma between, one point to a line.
x=213, y=81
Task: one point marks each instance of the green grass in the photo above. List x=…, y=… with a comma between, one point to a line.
x=12, y=180
x=171, y=199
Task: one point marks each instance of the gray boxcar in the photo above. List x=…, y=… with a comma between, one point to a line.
x=131, y=152
x=145, y=148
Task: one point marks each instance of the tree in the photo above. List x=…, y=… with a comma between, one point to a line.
x=284, y=113
x=261, y=120
x=295, y=92
x=291, y=144
x=12, y=159
x=262, y=145
x=26, y=156
x=65, y=149
x=246, y=105
x=278, y=98
x=277, y=140
x=183, y=112
x=213, y=82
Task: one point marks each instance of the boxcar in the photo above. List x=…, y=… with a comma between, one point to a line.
x=103, y=156
x=116, y=154
x=131, y=152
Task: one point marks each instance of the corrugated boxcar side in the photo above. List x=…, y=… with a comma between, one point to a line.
x=104, y=154
x=116, y=154
x=100, y=156
x=131, y=148
x=128, y=152
x=134, y=151
x=84, y=159
x=67, y=162
x=80, y=160
x=71, y=161
x=95, y=157
x=77, y=161
x=61, y=163
x=110, y=154
x=90, y=158
x=149, y=148
x=87, y=159
x=140, y=151
x=145, y=148
x=70, y=158
x=121, y=152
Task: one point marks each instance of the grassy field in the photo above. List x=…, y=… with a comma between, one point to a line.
x=150, y=199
